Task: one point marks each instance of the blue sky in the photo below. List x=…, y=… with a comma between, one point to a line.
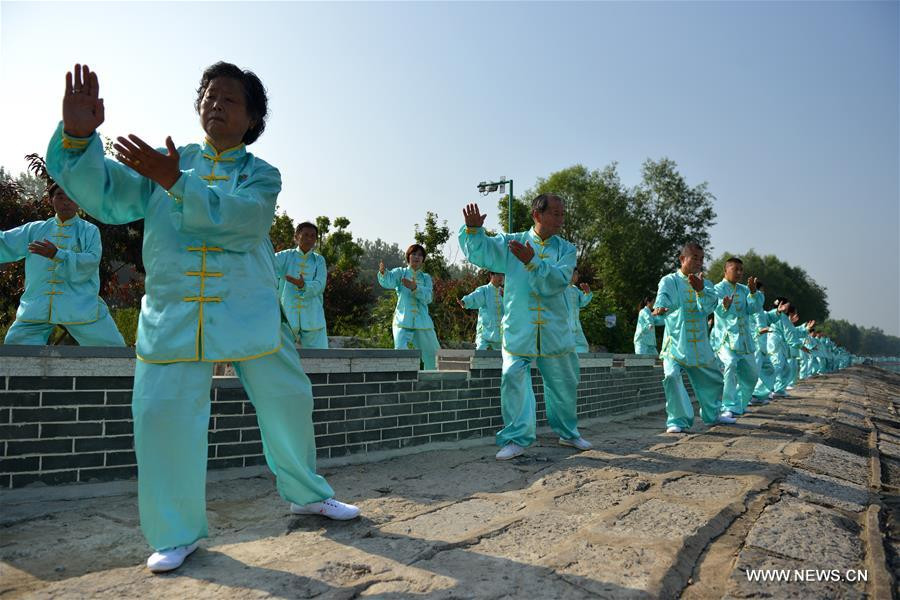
x=381, y=111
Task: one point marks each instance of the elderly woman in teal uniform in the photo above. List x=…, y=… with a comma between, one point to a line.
x=488, y=299
x=645, y=331
x=538, y=265
x=211, y=296
x=62, y=280
x=412, y=325
x=577, y=297
x=733, y=331
x=302, y=274
x=686, y=298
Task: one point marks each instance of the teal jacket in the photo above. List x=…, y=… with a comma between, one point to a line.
x=686, y=339
x=734, y=327
x=412, y=306
x=211, y=290
x=782, y=335
x=535, y=315
x=576, y=300
x=645, y=332
x=63, y=289
x=489, y=302
x=304, y=307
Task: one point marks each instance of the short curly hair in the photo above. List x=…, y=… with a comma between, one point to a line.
x=254, y=95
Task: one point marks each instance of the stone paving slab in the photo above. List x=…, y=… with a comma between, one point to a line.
x=643, y=515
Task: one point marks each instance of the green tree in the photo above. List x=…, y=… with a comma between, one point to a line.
x=432, y=237
x=282, y=231
x=373, y=253
x=677, y=212
x=522, y=220
x=780, y=279
x=338, y=247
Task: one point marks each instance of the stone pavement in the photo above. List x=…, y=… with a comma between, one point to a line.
x=810, y=485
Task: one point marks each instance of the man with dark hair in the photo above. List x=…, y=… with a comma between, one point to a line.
x=538, y=265
x=766, y=378
x=734, y=334
x=782, y=336
x=686, y=298
x=62, y=279
x=302, y=274
x=488, y=299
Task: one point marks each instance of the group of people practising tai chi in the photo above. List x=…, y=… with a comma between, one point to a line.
x=216, y=292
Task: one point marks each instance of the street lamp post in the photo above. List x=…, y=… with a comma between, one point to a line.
x=484, y=188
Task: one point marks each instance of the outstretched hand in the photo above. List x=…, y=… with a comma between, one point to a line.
x=726, y=301
x=381, y=267
x=460, y=302
x=44, y=248
x=696, y=282
x=298, y=281
x=751, y=283
x=409, y=284
x=658, y=311
x=137, y=154
x=473, y=216
x=83, y=110
x=523, y=252
x=585, y=288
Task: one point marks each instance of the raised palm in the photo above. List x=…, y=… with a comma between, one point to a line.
x=82, y=106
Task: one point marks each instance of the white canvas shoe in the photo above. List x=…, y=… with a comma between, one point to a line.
x=510, y=451
x=169, y=560
x=331, y=508
x=579, y=442
x=728, y=414
x=727, y=420
x=673, y=429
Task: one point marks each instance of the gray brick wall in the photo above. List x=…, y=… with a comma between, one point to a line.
x=71, y=427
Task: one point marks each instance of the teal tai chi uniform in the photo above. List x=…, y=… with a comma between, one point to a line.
x=576, y=299
x=733, y=329
x=535, y=330
x=782, y=336
x=645, y=332
x=765, y=382
x=211, y=296
x=412, y=325
x=488, y=299
x=303, y=307
x=686, y=349
x=62, y=290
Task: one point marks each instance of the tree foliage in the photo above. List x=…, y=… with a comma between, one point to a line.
x=432, y=237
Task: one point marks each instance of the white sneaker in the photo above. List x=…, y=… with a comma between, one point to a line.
x=789, y=388
x=510, y=451
x=673, y=429
x=330, y=508
x=579, y=442
x=727, y=414
x=169, y=560
x=771, y=395
x=728, y=420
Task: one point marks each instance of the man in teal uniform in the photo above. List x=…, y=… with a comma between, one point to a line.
x=733, y=330
x=577, y=297
x=766, y=380
x=538, y=265
x=62, y=278
x=488, y=299
x=412, y=325
x=782, y=336
x=211, y=296
x=645, y=331
x=302, y=274
x=686, y=298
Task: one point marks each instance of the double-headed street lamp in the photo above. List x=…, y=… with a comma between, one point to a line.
x=485, y=188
